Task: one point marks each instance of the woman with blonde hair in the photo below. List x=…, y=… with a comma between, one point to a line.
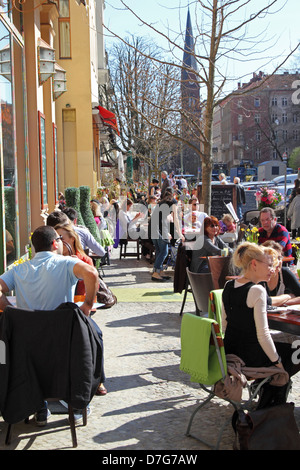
x=245, y=320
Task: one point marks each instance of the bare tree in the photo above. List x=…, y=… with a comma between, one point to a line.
x=142, y=98
x=222, y=34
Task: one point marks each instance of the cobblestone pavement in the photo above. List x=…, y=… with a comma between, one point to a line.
x=149, y=400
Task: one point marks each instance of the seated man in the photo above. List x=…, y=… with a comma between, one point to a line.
x=48, y=280
x=271, y=230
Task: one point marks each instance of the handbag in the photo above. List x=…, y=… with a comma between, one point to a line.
x=104, y=295
x=271, y=428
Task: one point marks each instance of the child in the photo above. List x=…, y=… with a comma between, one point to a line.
x=229, y=223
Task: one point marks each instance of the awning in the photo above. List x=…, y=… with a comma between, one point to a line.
x=109, y=118
x=105, y=164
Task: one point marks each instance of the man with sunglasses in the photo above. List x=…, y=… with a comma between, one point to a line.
x=48, y=279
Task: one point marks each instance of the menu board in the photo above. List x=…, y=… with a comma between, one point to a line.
x=221, y=194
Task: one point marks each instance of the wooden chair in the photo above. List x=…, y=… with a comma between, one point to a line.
x=71, y=422
x=123, y=249
x=45, y=362
x=219, y=268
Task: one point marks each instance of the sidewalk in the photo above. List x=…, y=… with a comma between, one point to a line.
x=149, y=400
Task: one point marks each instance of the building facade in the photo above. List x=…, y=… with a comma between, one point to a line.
x=52, y=64
x=258, y=122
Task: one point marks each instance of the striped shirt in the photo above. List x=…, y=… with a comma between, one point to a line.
x=280, y=235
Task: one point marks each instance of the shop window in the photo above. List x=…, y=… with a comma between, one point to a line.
x=14, y=183
x=55, y=162
x=64, y=29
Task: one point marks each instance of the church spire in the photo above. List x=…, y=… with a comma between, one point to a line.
x=189, y=71
x=189, y=45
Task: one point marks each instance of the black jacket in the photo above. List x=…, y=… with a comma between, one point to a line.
x=49, y=354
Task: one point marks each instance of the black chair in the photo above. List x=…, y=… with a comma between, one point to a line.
x=201, y=286
x=51, y=355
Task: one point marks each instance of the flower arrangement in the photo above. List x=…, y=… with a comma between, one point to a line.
x=251, y=234
x=267, y=198
x=296, y=249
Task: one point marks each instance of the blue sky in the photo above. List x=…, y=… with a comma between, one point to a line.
x=282, y=29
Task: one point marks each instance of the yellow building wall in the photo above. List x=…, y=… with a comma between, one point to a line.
x=74, y=107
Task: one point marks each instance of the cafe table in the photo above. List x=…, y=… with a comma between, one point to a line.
x=286, y=319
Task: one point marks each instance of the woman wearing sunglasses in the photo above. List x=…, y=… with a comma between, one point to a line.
x=211, y=245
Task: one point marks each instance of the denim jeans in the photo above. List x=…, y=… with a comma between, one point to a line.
x=161, y=252
x=239, y=210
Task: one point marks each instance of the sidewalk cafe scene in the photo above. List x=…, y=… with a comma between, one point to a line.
x=150, y=234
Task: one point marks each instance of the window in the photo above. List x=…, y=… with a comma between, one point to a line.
x=295, y=134
x=240, y=119
x=64, y=30
x=257, y=154
x=258, y=135
x=285, y=135
x=284, y=118
x=295, y=118
x=14, y=161
x=43, y=160
x=274, y=118
x=257, y=118
x=256, y=102
x=274, y=101
x=55, y=161
x=284, y=101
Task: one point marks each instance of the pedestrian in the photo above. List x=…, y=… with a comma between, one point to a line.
x=240, y=197
x=166, y=183
x=160, y=232
x=294, y=214
x=222, y=178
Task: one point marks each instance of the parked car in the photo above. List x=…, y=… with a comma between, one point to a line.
x=289, y=179
x=251, y=185
x=280, y=189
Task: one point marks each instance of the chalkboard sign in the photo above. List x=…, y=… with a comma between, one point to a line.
x=221, y=194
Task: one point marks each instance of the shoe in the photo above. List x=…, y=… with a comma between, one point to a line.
x=78, y=416
x=165, y=277
x=41, y=416
x=156, y=279
x=101, y=390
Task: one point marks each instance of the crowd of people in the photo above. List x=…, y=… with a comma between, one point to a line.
x=166, y=214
